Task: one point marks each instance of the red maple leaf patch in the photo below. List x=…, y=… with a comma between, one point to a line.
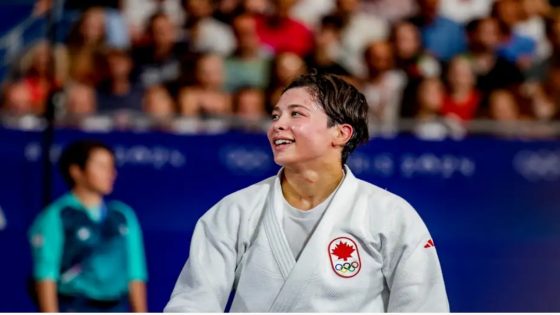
x=343, y=250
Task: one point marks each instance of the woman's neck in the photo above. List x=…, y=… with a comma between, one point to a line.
x=305, y=188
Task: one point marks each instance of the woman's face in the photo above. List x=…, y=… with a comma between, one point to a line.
x=93, y=25
x=407, y=41
x=210, y=71
x=299, y=132
x=460, y=73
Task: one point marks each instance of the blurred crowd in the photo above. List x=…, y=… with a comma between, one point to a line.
x=436, y=65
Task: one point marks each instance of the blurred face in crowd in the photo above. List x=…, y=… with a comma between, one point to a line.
x=299, y=132
x=199, y=8
x=460, y=74
x=430, y=95
x=487, y=34
x=17, y=99
x=429, y=8
x=80, y=100
x=119, y=64
x=250, y=104
x=288, y=67
x=244, y=28
x=158, y=103
x=163, y=31
x=210, y=71
x=98, y=174
x=41, y=58
x=93, y=25
x=503, y=106
x=256, y=6
x=407, y=40
x=347, y=6
x=283, y=7
x=379, y=57
x=508, y=11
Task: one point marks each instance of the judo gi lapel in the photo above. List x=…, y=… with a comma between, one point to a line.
x=301, y=272
x=275, y=233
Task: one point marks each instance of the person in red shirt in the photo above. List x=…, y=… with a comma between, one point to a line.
x=280, y=33
x=462, y=98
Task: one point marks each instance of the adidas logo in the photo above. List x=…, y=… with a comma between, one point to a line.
x=429, y=244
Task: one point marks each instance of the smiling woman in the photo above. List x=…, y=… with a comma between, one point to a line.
x=313, y=238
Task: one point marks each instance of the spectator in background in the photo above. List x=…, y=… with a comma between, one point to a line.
x=16, y=99
x=80, y=101
x=285, y=68
x=310, y=12
x=492, y=71
x=327, y=44
x=114, y=23
x=85, y=46
x=552, y=30
x=159, y=107
x=117, y=91
x=462, y=99
x=250, y=64
x=429, y=124
x=37, y=73
x=441, y=36
x=226, y=11
x=159, y=60
x=503, y=106
x=383, y=88
x=464, y=11
x=206, y=97
x=249, y=108
x=204, y=33
x=532, y=25
x=504, y=110
x=413, y=60
x=390, y=10
x=358, y=30
x=138, y=12
x=514, y=47
x=545, y=95
x=279, y=32
x=87, y=253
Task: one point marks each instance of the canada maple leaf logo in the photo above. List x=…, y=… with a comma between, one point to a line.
x=343, y=250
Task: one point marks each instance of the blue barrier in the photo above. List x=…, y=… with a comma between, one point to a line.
x=492, y=206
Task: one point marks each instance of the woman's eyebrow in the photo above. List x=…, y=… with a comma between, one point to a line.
x=291, y=106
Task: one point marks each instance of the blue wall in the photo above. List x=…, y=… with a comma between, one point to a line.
x=493, y=206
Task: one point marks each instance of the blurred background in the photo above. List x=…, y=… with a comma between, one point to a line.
x=464, y=100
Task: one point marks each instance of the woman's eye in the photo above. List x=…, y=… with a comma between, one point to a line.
x=274, y=116
x=295, y=114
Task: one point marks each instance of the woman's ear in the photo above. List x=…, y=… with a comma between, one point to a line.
x=75, y=172
x=343, y=134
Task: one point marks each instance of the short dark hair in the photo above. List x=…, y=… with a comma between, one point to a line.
x=341, y=101
x=78, y=153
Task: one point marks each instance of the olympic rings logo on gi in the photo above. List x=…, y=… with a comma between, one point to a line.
x=347, y=267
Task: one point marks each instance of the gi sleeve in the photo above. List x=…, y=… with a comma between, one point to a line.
x=412, y=269
x=207, y=278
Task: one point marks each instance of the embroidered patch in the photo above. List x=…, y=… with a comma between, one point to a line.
x=344, y=257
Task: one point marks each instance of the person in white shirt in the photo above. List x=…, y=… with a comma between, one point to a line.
x=313, y=238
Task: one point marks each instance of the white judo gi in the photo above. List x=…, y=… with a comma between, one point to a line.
x=370, y=252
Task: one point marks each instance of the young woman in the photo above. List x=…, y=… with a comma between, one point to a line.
x=314, y=238
x=87, y=253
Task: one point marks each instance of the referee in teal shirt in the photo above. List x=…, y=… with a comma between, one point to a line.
x=88, y=253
